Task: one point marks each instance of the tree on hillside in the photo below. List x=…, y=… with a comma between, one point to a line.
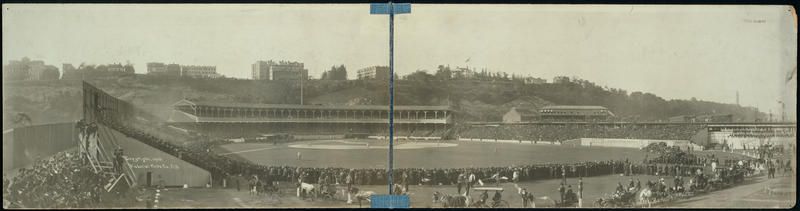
x=419, y=75
x=335, y=73
x=443, y=73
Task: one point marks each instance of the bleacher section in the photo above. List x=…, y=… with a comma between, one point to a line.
x=151, y=166
x=561, y=132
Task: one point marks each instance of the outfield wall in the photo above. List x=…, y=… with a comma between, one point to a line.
x=24, y=145
x=164, y=168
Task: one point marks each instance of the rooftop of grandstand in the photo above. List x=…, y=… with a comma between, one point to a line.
x=290, y=106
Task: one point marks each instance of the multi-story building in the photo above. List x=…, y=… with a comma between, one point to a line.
x=561, y=79
x=194, y=71
x=261, y=70
x=115, y=68
x=173, y=70
x=374, y=72
x=94, y=71
x=158, y=68
x=25, y=69
x=155, y=68
x=281, y=70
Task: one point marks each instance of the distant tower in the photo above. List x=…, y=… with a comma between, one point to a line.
x=737, y=98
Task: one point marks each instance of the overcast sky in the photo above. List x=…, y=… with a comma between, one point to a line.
x=707, y=52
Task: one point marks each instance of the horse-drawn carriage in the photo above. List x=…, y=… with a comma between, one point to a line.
x=489, y=203
x=459, y=200
x=618, y=199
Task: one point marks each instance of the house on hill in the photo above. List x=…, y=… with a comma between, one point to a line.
x=517, y=115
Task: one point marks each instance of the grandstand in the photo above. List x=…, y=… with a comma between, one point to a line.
x=735, y=135
x=237, y=120
x=742, y=136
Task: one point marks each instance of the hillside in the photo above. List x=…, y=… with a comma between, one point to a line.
x=59, y=101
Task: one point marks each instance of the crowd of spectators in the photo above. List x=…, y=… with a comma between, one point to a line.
x=61, y=181
x=761, y=132
x=561, y=132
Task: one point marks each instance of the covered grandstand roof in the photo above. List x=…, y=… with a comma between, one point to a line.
x=291, y=106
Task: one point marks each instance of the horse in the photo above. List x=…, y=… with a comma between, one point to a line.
x=448, y=200
x=359, y=195
x=543, y=201
x=398, y=189
x=645, y=196
x=304, y=189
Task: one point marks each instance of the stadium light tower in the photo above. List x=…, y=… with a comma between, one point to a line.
x=390, y=9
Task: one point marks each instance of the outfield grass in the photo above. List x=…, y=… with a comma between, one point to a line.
x=466, y=154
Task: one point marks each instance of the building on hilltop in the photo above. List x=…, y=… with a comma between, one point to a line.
x=571, y=113
x=281, y=70
x=94, y=71
x=196, y=71
x=374, y=72
x=517, y=115
x=561, y=79
x=25, y=69
x=158, y=68
x=173, y=70
x=462, y=73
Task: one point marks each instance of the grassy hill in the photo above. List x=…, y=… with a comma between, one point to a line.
x=59, y=100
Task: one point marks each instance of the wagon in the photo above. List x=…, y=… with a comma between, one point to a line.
x=489, y=203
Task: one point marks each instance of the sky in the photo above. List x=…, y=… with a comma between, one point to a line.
x=676, y=52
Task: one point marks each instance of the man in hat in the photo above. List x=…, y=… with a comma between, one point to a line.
x=570, y=195
x=470, y=181
x=460, y=182
x=561, y=191
x=526, y=197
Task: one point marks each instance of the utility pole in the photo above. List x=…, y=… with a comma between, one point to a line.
x=301, y=87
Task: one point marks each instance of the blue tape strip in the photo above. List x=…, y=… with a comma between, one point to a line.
x=383, y=8
x=389, y=201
